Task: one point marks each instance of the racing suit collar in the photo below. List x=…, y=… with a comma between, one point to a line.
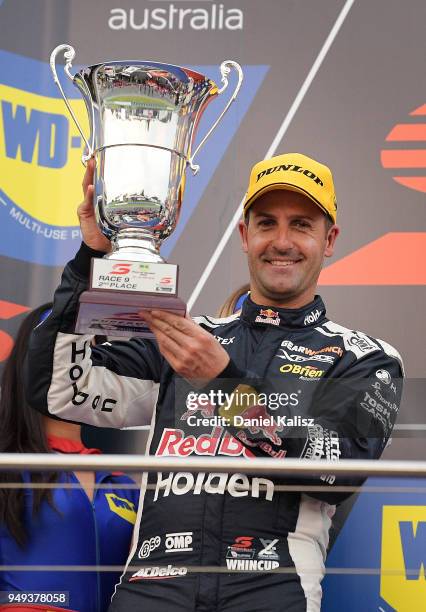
x=311, y=315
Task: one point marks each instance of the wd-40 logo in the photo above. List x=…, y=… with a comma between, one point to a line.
x=40, y=167
x=121, y=506
x=40, y=153
x=403, y=579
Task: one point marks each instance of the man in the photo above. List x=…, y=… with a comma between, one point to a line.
x=333, y=393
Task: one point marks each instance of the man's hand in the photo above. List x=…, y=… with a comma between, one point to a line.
x=192, y=352
x=92, y=235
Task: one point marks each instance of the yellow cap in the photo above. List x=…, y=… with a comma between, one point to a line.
x=295, y=172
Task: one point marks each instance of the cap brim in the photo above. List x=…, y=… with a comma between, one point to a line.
x=287, y=187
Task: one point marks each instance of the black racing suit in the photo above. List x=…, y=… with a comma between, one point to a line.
x=226, y=542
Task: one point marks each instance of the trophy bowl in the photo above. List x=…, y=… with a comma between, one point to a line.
x=143, y=116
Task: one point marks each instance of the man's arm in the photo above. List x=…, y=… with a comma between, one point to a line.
x=112, y=385
x=352, y=417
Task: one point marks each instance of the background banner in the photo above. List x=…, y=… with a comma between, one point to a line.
x=340, y=81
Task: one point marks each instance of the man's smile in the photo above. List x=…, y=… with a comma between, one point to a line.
x=282, y=263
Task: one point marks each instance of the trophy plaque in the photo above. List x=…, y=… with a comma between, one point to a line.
x=143, y=117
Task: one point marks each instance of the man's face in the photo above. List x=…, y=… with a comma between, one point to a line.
x=286, y=240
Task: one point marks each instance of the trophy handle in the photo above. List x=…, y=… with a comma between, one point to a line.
x=225, y=69
x=69, y=55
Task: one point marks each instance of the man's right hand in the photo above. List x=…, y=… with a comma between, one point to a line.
x=92, y=235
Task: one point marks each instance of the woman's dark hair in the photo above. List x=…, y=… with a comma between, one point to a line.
x=22, y=431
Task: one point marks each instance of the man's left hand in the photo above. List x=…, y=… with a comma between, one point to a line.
x=192, y=352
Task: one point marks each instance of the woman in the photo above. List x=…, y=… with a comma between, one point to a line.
x=76, y=524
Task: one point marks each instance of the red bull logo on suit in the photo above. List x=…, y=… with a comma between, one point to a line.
x=268, y=316
x=259, y=421
x=173, y=442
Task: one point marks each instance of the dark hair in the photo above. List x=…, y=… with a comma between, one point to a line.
x=328, y=223
x=22, y=431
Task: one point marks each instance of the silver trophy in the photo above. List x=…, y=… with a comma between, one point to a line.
x=143, y=118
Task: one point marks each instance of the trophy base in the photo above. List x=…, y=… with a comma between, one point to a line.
x=109, y=313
